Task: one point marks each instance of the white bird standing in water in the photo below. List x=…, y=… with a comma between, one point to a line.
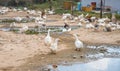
x=54, y=46
x=48, y=38
x=78, y=43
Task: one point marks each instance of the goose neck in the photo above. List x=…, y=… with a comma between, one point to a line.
x=48, y=33
x=56, y=41
x=76, y=37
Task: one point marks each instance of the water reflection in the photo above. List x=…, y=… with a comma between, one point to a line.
x=106, y=64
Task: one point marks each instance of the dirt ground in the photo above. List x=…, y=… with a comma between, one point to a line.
x=16, y=49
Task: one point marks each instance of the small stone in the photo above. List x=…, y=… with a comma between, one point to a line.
x=81, y=56
x=54, y=66
x=42, y=57
x=103, y=50
x=74, y=57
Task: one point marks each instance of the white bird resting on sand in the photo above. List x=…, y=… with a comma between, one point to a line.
x=54, y=46
x=65, y=16
x=80, y=24
x=23, y=29
x=48, y=39
x=51, y=12
x=78, y=43
x=66, y=27
x=13, y=24
x=66, y=30
x=89, y=25
x=18, y=19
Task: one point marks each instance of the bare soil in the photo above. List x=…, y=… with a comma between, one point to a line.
x=21, y=49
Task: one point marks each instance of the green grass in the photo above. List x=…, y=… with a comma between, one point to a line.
x=31, y=32
x=8, y=21
x=118, y=16
x=57, y=5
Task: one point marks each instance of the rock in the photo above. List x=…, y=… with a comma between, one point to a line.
x=81, y=56
x=103, y=50
x=54, y=66
x=74, y=57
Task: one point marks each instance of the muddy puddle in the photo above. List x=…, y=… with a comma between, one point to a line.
x=41, y=29
x=105, y=64
x=90, y=58
x=51, y=20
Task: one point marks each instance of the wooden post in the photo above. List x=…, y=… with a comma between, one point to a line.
x=72, y=8
x=101, y=10
x=16, y=1
x=50, y=5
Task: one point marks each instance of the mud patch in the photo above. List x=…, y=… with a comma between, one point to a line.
x=74, y=59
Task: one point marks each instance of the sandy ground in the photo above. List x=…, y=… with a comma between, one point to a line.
x=16, y=49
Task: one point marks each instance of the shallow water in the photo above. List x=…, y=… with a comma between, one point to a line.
x=105, y=64
x=5, y=29
x=51, y=20
x=89, y=59
x=53, y=28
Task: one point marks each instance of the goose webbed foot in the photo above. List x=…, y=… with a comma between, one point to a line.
x=77, y=49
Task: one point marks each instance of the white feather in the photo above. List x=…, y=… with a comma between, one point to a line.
x=54, y=46
x=78, y=43
x=48, y=38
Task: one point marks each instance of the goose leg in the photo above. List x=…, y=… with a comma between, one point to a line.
x=79, y=49
x=76, y=49
x=53, y=52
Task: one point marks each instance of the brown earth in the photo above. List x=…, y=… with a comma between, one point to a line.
x=16, y=49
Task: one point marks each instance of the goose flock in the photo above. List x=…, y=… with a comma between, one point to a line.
x=91, y=22
x=53, y=44
x=87, y=21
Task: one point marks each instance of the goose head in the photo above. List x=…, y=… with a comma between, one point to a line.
x=49, y=30
x=48, y=34
x=66, y=25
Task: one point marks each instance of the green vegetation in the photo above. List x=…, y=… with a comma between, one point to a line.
x=57, y=5
x=7, y=21
x=31, y=32
x=118, y=16
x=14, y=30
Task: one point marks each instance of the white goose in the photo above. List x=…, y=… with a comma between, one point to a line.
x=48, y=39
x=23, y=29
x=89, y=26
x=66, y=30
x=18, y=19
x=118, y=26
x=80, y=24
x=54, y=46
x=81, y=16
x=66, y=27
x=51, y=12
x=12, y=24
x=78, y=43
x=87, y=15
